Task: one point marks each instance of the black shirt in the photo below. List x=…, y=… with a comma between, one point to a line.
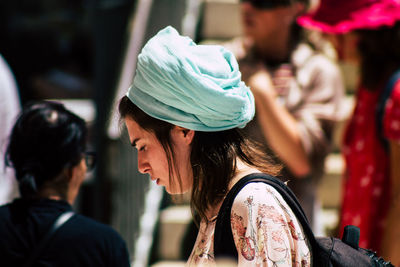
x=80, y=242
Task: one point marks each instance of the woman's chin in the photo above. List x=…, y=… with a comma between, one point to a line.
x=175, y=191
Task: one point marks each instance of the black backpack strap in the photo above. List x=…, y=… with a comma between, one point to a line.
x=224, y=245
x=380, y=110
x=60, y=221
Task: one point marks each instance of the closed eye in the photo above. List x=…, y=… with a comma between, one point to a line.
x=134, y=142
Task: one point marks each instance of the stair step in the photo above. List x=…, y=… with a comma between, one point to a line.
x=218, y=27
x=174, y=221
x=169, y=264
x=330, y=186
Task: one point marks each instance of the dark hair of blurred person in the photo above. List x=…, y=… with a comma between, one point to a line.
x=46, y=144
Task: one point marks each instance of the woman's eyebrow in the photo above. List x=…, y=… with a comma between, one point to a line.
x=134, y=142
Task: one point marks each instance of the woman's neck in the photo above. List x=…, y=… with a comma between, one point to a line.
x=242, y=169
x=53, y=194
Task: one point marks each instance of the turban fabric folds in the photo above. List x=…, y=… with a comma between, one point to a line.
x=194, y=86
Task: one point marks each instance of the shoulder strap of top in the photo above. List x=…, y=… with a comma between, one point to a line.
x=60, y=221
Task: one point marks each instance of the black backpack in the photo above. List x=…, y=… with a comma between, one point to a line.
x=326, y=251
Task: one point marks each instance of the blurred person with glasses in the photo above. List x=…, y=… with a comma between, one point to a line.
x=47, y=150
x=297, y=88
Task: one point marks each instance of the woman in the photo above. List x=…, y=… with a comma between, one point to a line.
x=47, y=150
x=183, y=114
x=368, y=33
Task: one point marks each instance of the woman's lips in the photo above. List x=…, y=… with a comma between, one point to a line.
x=156, y=180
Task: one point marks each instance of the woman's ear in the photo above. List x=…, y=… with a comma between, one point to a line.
x=69, y=172
x=186, y=135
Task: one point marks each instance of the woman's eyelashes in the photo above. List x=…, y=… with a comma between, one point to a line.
x=142, y=148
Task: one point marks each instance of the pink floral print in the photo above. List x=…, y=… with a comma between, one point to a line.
x=265, y=231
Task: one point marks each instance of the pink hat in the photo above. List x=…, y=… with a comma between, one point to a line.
x=341, y=16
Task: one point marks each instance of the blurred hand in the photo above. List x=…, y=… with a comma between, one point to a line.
x=261, y=83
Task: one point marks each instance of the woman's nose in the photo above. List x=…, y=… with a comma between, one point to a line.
x=142, y=165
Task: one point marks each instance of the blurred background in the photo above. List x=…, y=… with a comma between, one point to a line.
x=83, y=53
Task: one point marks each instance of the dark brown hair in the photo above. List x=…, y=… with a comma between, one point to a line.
x=45, y=139
x=380, y=54
x=213, y=156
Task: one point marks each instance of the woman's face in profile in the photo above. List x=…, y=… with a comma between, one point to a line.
x=152, y=158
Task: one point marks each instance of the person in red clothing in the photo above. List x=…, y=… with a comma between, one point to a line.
x=369, y=31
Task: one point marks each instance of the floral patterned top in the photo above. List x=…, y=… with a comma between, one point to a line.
x=366, y=184
x=265, y=230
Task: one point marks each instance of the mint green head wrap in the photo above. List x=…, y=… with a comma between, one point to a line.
x=197, y=87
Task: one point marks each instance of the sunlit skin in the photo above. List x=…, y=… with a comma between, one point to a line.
x=152, y=158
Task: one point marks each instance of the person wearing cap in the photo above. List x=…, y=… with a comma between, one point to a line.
x=368, y=32
x=297, y=88
x=184, y=113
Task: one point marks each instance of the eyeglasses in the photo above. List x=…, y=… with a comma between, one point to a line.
x=90, y=160
x=267, y=4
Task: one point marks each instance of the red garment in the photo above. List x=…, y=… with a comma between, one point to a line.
x=391, y=122
x=366, y=188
